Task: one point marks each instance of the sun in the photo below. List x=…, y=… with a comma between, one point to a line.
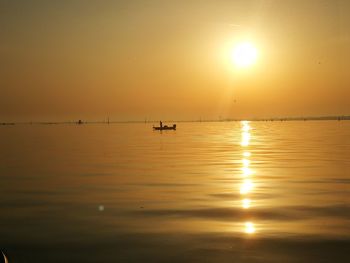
x=244, y=54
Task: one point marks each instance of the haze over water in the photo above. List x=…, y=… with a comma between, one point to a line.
x=208, y=192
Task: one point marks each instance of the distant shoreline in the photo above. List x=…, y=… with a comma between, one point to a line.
x=79, y=122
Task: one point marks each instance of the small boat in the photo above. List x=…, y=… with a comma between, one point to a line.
x=165, y=127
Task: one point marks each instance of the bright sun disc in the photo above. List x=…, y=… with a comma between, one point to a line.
x=244, y=55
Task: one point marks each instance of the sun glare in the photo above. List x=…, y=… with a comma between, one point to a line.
x=244, y=54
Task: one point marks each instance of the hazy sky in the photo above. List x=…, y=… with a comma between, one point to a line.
x=64, y=60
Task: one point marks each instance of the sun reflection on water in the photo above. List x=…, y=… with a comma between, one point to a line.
x=247, y=154
x=245, y=139
x=246, y=203
x=247, y=184
x=245, y=162
x=245, y=126
x=249, y=228
x=246, y=187
x=246, y=171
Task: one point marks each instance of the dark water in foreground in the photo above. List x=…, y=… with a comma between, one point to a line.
x=208, y=192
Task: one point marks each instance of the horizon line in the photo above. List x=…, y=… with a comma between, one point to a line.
x=108, y=121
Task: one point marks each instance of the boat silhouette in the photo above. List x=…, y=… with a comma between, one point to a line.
x=165, y=127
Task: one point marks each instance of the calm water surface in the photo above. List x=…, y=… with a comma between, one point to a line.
x=208, y=192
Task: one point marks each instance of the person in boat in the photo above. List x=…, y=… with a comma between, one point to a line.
x=161, y=124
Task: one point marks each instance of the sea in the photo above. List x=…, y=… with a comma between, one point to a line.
x=240, y=191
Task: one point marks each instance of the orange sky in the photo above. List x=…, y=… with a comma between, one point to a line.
x=132, y=60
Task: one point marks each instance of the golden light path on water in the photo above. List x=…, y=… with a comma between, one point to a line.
x=247, y=185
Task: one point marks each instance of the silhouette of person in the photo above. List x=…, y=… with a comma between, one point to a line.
x=161, y=124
